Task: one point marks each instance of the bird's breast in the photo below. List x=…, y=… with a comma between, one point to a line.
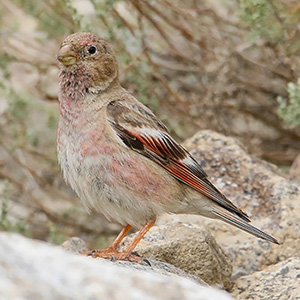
x=111, y=178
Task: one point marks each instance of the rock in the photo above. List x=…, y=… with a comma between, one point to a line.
x=295, y=168
x=280, y=281
x=188, y=247
x=77, y=245
x=38, y=271
x=269, y=198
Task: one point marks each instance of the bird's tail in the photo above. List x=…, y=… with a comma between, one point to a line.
x=232, y=219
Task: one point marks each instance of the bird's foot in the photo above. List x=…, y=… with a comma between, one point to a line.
x=114, y=255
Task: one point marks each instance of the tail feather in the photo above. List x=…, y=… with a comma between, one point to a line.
x=238, y=222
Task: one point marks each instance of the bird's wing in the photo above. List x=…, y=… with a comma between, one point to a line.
x=140, y=130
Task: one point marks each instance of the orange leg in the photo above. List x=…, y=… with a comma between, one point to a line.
x=120, y=237
x=139, y=236
x=112, y=253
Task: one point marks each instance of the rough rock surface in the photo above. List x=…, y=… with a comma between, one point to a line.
x=37, y=271
x=77, y=245
x=266, y=195
x=188, y=247
x=277, y=282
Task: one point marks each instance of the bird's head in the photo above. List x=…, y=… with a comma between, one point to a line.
x=87, y=59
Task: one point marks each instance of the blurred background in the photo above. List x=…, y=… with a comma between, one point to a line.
x=226, y=65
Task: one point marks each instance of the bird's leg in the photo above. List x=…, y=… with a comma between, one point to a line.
x=112, y=248
x=139, y=236
x=120, y=237
x=112, y=253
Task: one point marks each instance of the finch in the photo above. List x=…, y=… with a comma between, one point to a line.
x=119, y=157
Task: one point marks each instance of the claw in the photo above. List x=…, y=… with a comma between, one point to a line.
x=135, y=253
x=147, y=262
x=88, y=253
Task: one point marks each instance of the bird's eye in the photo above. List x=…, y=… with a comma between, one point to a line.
x=92, y=49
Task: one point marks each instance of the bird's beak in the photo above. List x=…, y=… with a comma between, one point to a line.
x=66, y=56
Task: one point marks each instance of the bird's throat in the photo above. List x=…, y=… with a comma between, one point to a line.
x=77, y=89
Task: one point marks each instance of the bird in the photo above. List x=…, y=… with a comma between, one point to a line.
x=119, y=158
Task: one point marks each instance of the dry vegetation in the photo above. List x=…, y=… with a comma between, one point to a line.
x=217, y=65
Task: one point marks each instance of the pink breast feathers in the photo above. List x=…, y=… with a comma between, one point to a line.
x=94, y=143
x=138, y=177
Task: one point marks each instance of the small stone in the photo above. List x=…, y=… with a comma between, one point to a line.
x=75, y=244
